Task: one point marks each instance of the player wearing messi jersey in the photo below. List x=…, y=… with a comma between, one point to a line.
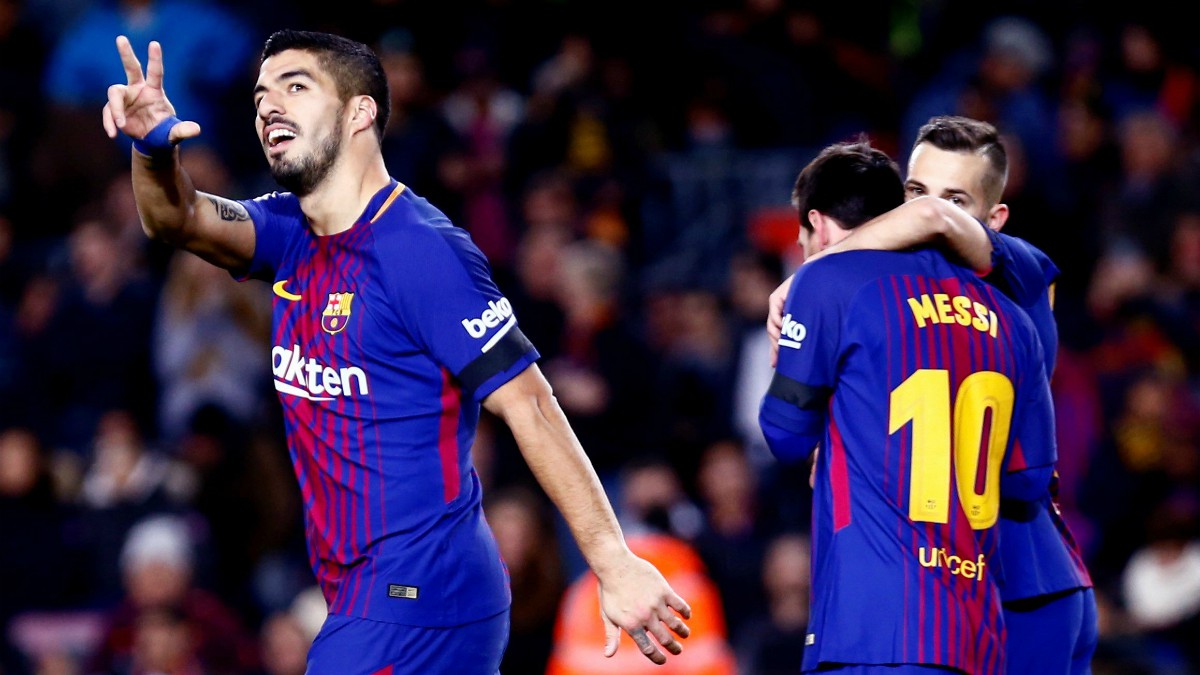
x=1050, y=608
x=926, y=389
x=388, y=336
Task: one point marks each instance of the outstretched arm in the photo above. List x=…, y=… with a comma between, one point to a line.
x=171, y=209
x=634, y=596
x=924, y=220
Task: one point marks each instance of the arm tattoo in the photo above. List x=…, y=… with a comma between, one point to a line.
x=228, y=210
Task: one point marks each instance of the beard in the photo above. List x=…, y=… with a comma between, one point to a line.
x=302, y=176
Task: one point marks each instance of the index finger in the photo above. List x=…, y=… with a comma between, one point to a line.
x=129, y=60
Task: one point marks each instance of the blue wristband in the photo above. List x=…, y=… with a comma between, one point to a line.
x=157, y=143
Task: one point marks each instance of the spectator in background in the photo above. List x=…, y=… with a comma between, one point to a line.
x=287, y=634
x=1162, y=580
x=125, y=482
x=773, y=644
x=39, y=555
x=1140, y=209
x=526, y=539
x=419, y=146
x=210, y=335
x=599, y=373
x=483, y=110
x=165, y=619
x=109, y=301
x=735, y=533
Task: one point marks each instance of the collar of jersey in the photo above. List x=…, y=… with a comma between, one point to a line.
x=382, y=200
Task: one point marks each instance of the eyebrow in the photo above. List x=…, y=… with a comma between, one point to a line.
x=299, y=72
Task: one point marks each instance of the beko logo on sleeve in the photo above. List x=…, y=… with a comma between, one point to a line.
x=792, y=334
x=498, y=311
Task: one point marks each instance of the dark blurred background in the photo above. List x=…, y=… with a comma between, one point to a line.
x=626, y=166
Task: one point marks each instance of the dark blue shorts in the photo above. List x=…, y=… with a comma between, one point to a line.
x=351, y=646
x=1055, y=638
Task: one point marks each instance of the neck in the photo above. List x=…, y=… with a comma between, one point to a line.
x=339, y=200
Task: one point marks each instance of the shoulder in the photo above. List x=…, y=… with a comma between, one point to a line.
x=1031, y=258
x=425, y=242
x=273, y=208
x=843, y=275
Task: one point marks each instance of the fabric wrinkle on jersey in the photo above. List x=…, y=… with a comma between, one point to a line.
x=386, y=337
x=886, y=589
x=1039, y=553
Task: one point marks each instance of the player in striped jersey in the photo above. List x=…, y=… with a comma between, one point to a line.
x=388, y=336
x=926, y=389
x=1049, y=605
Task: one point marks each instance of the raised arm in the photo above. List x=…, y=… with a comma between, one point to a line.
x=634, y=596
x=924, y=220
x=171, y=209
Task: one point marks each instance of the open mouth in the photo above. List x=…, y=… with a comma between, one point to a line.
x=278, y=137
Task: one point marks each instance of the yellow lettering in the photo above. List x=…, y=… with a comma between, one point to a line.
x=962, y=310
x=967, y=569
x=943, y=306
x=995, y=324
x=980, y=322
x=922, y=310
x=938, y=557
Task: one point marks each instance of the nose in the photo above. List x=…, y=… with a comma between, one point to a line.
x=270, y=104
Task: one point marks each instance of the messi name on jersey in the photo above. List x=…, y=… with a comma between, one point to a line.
x=944, y=308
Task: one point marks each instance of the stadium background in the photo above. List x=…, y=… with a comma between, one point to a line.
x=626, y=167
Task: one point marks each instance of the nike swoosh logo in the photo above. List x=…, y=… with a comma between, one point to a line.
x=279, y=290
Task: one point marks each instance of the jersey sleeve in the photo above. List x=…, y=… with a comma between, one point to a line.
x=1020, y=269
x=276, y=217
x=794, y=410
x=443, y=287
x=1027, y=276
x=1034, y=443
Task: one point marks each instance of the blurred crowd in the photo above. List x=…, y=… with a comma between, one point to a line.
x=626, y=167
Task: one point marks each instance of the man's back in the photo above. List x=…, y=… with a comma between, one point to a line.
x=924, y=387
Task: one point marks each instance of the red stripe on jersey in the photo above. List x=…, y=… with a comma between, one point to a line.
x=448, y=435
x=386, y=670
x=838, y=476
x=1017, y=461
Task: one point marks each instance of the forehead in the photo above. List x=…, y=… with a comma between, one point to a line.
x=288, y=62
x=940, y=170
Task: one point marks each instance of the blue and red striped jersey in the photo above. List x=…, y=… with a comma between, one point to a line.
x=926, y=390
x=386, y=337
x=1039, y=552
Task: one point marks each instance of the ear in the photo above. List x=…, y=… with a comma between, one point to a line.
x=820, y=228
x=997, y=216
x=364, y=112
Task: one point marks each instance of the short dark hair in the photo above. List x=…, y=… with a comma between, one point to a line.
x=354, y=67
x=954, y=133
x=850, y=182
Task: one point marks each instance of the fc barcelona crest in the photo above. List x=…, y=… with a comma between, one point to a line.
x=337, y=312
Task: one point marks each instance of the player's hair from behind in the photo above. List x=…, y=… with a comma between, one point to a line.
x=354, y=66
x=850, y=182
x=954, y=133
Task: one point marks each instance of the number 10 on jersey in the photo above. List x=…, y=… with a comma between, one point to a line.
x=951, y=439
